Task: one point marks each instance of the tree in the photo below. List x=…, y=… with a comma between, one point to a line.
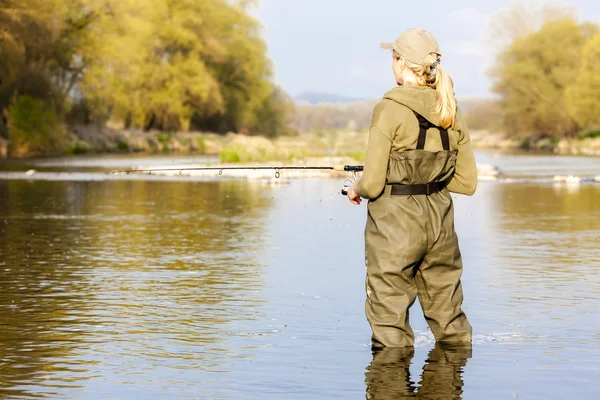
x=583, y=96
x=531, y=76
x=151, y=64
x=166, y=64
x=525, y=18
x=41, y=64
x=40, y=48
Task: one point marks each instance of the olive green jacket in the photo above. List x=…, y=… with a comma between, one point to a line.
x=394, y=127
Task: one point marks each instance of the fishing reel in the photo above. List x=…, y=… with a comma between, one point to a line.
x=349, y=182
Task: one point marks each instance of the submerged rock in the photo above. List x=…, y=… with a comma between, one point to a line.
x=488, y=172
x=568, y=179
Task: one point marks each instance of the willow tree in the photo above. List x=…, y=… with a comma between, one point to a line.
x=41, y=41
x=164, y=64
x=583, y=96
x=532, y=74
x=41, y=65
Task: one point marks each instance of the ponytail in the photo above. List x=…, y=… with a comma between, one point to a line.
x=432, y=74
x=446, y=102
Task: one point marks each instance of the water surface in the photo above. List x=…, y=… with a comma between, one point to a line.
x=248, y=290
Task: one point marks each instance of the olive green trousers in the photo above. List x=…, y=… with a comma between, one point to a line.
x=412, y=250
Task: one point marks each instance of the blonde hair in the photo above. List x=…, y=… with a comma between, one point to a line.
x=432, y=74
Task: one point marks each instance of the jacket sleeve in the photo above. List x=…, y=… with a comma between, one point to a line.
x=382, y=130
x=464, y=180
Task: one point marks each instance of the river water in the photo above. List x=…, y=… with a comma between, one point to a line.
x=228, y=289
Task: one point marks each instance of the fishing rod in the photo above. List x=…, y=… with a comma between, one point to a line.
x=341, y=168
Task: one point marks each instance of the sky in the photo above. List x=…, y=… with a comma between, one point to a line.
x=332, y=46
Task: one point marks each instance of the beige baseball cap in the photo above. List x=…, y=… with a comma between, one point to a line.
x=414, y=44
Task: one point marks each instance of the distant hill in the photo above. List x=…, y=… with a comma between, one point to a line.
x=318, y=97
x=314, y=98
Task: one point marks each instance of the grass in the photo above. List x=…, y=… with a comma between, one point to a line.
x=359, y=156
x=293, y=149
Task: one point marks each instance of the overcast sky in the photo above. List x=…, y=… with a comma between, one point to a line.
x=333, y=45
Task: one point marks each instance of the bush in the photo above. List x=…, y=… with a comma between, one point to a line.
x=229, y=156
x=163, y=138
x=78, y=148
x=122, y=146
x=590, y=135
x=201, y=144
x=34, y=128
x=249, y=149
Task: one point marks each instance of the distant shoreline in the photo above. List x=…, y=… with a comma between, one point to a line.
x=88, y=139
x=536, y=144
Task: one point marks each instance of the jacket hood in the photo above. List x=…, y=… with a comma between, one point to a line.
x=421, y=99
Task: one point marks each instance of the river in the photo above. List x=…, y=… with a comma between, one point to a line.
x=228, y=289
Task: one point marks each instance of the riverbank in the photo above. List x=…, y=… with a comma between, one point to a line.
x=231, y=148
x=588, y=146
x=235, y=148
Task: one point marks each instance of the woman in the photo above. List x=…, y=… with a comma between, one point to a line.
x=418, y=152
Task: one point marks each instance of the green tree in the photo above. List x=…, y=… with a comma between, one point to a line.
x=166, y=64
x=151, y=64
x=583, y=96
x=532, y=74
x=40, y=48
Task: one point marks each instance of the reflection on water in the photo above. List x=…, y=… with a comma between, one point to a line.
x=122, y=269
x=236, y=290
x=543, y=258
x=388, y=377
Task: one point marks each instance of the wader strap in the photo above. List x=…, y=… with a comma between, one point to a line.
x=426, y=188
x=424, y=125
x=445, y=139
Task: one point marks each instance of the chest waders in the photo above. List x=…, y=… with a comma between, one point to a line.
x=412, y=248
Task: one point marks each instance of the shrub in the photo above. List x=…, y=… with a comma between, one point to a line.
x=201, y=144
x=122, y=146
x=162, y=138
x=34, y=128
x=590, y=135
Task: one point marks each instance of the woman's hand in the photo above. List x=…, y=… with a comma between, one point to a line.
x=353, y=196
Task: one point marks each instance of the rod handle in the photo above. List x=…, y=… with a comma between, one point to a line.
x=348, y=168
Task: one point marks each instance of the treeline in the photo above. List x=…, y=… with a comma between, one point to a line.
x=329, y=116
x=179, y=65
x=170, y=65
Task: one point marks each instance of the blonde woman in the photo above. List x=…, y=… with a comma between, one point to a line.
x=418, y=152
